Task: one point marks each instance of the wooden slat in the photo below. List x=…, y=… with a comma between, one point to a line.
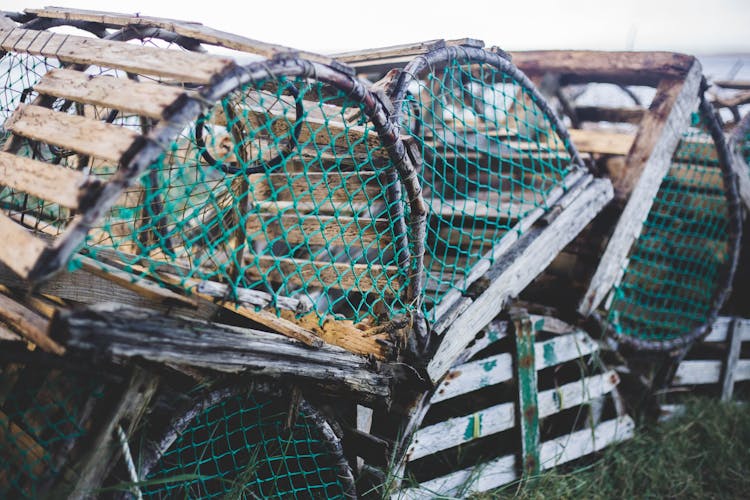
x=322, y=230
x=143, y=98
x=603, y=142
x=708, y=372
x=731, y=360
x=29, y=324
x=318, y=188
x=497, y=369
x=20, y=250
x=534, y=251
x=648, y=162
x=181, y=66
x=721, y=327
x=64, y=186
x=184, y=28
x=498, y=418
x=360, y=277
x=494, y=473
x=78, y=133
x=636, y=68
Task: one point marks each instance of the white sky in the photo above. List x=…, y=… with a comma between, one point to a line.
x=693, y=26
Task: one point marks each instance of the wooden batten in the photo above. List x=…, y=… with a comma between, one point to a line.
x=181, y=66
x=78, y=133
x=64, y=186
x=323, y=230
x=143, y=98
x=364, y=277
x=318, y=188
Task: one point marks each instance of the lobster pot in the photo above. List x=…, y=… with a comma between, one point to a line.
x=493, y=418
x=282, y=187
x=45, y=419
x=680, y=268
x=495, y=159
x=237, y=445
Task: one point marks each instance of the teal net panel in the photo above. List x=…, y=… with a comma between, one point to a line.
x=494, y=156
x=282, y=187
x=239, y=446
x=44, y=414
x=679, y=270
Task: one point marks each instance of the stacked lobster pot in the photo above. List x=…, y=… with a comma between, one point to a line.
x=271, y=278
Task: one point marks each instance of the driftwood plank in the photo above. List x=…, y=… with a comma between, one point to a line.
x=181, y=66
x=143, y=98
x=64, y=186
x=533, y=253
x=648, y=162
x=498, y=368
x=498, y=418
x=78, y=133
x=20, y=250
x=125, y=333
x=500, y=471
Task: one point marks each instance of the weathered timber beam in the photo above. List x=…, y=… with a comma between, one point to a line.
x=583, y=66
x=121, y=332
x=648, y=162
x=533, y=252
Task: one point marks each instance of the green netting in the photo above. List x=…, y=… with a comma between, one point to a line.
x=283, y=187
x=677, y=265
x=492, y=157
x=43, y=413
x=240, y=447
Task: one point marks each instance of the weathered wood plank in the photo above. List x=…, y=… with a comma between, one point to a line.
x=78, y=133
x=498, y=368
x=324, y=230
x=584, y=66
x=20, y=250
x=527, y=404
x=364, y=277
x=533, y=253
x=188, y=29
x=120, y=332
x=720, y=328
x=181, y=66
x=143, y=98
x=730, y=363
x=456, y=431
x=64, y=186
x=648, y=162
x=602, y=142
x=500, y=471
x=30, y=325
x=741, y=171
x=697, y=372
x=318, y=189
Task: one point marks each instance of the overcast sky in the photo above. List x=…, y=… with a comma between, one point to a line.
x=694, y=26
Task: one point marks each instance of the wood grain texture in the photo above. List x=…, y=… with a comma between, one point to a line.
x=20, y=250
x=78, y=133
x=182, y=66
x=64, y=186
x=29, y=324
x=142, y=98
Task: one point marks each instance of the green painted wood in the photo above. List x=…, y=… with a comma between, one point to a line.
x=526, y=377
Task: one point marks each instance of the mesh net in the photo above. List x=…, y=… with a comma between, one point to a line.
x=672, y=276
x=491, y=158
x=43, y=413
x=283, y=187
x=240, y=448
